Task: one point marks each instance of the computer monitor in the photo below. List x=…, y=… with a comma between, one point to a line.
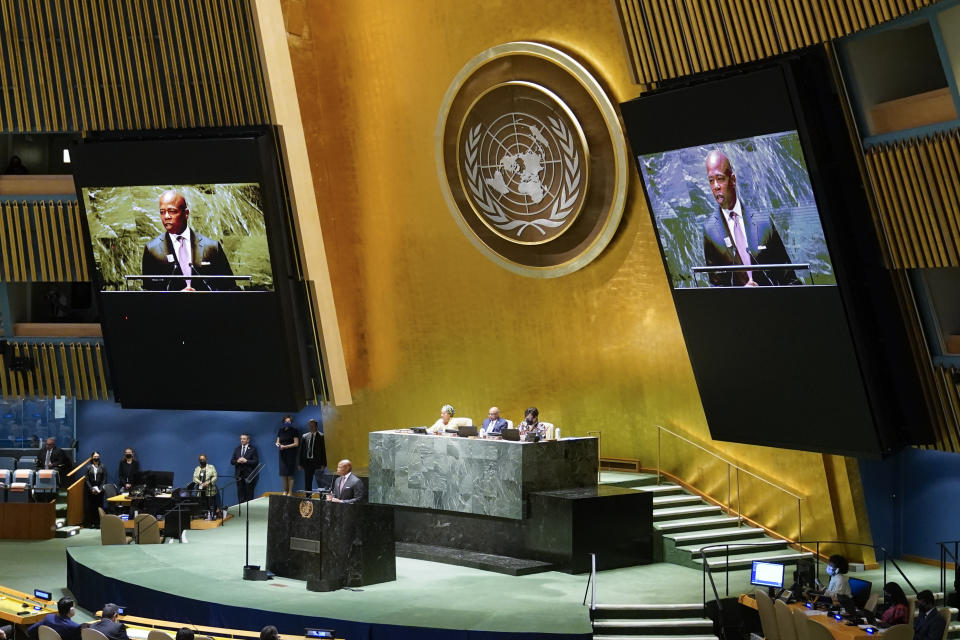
x=766, y=574
x=160, y=479
x=860, y=590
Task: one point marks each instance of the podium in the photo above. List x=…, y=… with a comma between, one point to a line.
x=330, y=545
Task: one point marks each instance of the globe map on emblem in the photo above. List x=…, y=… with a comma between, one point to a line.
x=523, y=163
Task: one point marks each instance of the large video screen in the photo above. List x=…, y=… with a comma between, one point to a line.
x=175, y=237
x=721, y=208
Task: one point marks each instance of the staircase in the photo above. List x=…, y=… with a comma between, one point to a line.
x=684, y=524
x=63, y=530
x=651, y=622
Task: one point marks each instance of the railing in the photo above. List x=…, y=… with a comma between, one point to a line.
x=735, y=471
x=944, y=554
x=75, y=494
x=592, y=583
x=810, y=544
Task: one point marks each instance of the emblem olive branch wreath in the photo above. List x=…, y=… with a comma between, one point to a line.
x=563, y=203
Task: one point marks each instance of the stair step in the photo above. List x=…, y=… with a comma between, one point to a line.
x=673, y=627
x=735, y=548
x=661, y=489
x=640, y=611
x=473, y=559
x=742, y=562
x=672, y=513
x=732, y=533
x=635, y=479
x=669, y=527
x=676, y=500
x=66, y=532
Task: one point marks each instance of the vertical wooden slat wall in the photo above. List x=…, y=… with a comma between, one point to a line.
x=84, y=65
x=55, y=368
x=41, y=242
x=668, y=39
x=91, y=65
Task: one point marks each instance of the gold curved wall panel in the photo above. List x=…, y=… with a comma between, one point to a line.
x=42, y=242
x=53, y=369
x=673, y=38
x=426, y=319
x=87, y=65
x=918, y=199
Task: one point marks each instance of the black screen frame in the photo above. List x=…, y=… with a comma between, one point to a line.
x=879, y=389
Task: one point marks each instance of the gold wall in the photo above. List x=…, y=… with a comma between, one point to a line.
x=425, y=319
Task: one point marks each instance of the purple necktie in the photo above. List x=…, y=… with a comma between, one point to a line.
x=183, y=256
x=740, y=240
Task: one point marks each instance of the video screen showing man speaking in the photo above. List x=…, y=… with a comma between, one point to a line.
x=723, y=208
x=180, y=238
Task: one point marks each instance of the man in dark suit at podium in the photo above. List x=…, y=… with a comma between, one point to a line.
x=347, y=487
x=244, y=460
x=313, y=455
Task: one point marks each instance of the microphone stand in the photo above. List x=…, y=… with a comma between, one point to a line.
x=252, y=571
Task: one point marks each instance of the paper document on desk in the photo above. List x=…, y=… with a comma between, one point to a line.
x=815, y=612
x=138, y=634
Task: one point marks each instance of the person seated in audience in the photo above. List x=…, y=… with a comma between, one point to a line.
x=269, y=632
x=493, y=424
x=185, y=633
x=531, y=429
x=109, y=623
x=929, y=624
x=53, y=457
x=59, y=621
x=896, y=603
x=93, y=482
x=446, y=414
x=839, y=585
x=129, y=468
x=6, y=632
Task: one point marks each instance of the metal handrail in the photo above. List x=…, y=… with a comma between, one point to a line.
x=731, y=466
x=708, y=570
x=591, y=583
x=944, y=552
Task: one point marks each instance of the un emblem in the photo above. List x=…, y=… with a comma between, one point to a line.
x=524, y=168
x=523, y=132
x=306, y=508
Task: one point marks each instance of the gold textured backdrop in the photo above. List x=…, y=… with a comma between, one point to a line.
x=426, y=319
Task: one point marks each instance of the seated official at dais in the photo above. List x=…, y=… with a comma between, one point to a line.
x=446, y=415
x=531, y=429
x=839, y=585
x=493, y=424
x=895, y=600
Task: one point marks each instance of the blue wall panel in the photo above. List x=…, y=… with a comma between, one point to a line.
x=926, y=485
x=172, y=440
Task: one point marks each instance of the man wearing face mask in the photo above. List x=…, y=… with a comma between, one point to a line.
x=205, y=481
x=929, y=624
x=59, y=621
x=839, y=585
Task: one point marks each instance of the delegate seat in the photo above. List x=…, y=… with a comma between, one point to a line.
x=768, y=619
x=91, y=634
x=45, y=484
x=27, y=462
x=112, y=531
x=548, y=430
x=899, y=632
x=8, y=462
x=147, y=529
x=801, y=622
x=47, y=633
x=6, y=477
x=21, y=486
x=785, y=624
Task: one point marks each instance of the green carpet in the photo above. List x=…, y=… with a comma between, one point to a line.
x=425, y=593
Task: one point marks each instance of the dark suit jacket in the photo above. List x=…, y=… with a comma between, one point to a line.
x=207, y=257
x=126, y=474
x=90, y=482
x=242, y=470
x=67, y=628
x=352, y=490
x=928, y=627
x=59, y=458
x=319, y=451
x=763, y=244
x=496, y=427
x=113, y=630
